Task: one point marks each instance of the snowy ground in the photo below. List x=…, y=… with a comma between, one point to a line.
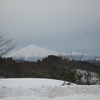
x=45, y=89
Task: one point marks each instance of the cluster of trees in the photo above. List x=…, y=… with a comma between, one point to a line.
x=50, y=67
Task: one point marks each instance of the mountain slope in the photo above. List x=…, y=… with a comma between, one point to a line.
x=32, y=51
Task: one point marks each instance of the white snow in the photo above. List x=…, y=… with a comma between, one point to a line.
x=92, y=77
x=98, y=59
x=33, y=51
x=45, y=89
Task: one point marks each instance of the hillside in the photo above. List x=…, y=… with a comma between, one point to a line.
x=50, y=67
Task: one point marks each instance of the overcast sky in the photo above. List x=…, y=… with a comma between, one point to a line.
x=60, y=25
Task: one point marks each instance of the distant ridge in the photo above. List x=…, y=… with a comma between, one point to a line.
x=34, y=52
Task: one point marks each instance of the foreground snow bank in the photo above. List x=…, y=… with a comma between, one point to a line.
x=44, y=89
x=29, y=82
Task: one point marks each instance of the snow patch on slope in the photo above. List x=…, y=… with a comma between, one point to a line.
x=33, y=51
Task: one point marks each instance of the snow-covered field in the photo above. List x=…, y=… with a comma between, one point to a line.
x=45, y=89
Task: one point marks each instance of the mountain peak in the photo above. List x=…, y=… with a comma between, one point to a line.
x=32, y=51
x=32, y=45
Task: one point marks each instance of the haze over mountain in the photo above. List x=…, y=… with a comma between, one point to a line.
x=34, y=52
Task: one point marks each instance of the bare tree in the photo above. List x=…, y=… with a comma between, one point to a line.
x=6, y=45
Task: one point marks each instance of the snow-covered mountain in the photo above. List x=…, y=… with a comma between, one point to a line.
x=33, y=52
